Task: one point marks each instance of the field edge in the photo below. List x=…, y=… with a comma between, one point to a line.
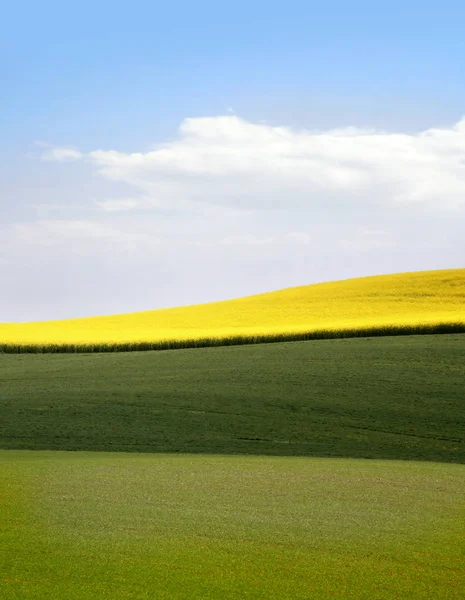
x=237, y=340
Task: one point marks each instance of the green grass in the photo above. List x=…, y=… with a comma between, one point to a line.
x=89, y=526
x=388, y=398
x=187, y=512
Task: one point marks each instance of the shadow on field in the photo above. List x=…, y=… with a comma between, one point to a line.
x=386, y=398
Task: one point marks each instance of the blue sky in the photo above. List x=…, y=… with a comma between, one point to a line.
x=127, y=73
x=124, y=77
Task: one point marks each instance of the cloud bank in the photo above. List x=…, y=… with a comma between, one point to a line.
x=229, y=163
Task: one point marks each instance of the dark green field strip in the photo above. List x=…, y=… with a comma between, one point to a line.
x=237, y=340
x=391, y=397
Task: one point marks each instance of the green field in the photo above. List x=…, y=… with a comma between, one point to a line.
x=112, y=526
x=392, y=397
x=165, y=500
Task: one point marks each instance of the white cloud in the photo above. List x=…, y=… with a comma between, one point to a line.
x=227, y=208
x=61, y=154
x=231, y=163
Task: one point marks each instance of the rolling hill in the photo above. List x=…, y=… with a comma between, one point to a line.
x=243, y=472
x=406, y=303
x=287, y=471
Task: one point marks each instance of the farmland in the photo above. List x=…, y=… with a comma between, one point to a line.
x=330, y=468
x=91, y=526
x=391, y=397
x=407, y=303
x=243, y=472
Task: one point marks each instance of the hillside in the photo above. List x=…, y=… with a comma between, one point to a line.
x=423, y=302
x=243, y=472
x=390, y=398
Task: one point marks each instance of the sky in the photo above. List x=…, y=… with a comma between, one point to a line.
x=162, y=154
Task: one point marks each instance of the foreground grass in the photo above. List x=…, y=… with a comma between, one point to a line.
x=85, y=526
x=396, y=398
x=408, y=303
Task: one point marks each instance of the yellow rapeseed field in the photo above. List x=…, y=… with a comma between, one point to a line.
x=421, y=302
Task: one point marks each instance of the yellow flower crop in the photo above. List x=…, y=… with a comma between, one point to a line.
x=422, y=302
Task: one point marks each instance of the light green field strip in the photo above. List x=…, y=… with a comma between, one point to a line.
x=82, y=526
x=407, y=303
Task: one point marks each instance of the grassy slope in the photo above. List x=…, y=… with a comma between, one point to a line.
x=94, y=526
x=397, y=398
x=431, y=301
x=83, y=526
